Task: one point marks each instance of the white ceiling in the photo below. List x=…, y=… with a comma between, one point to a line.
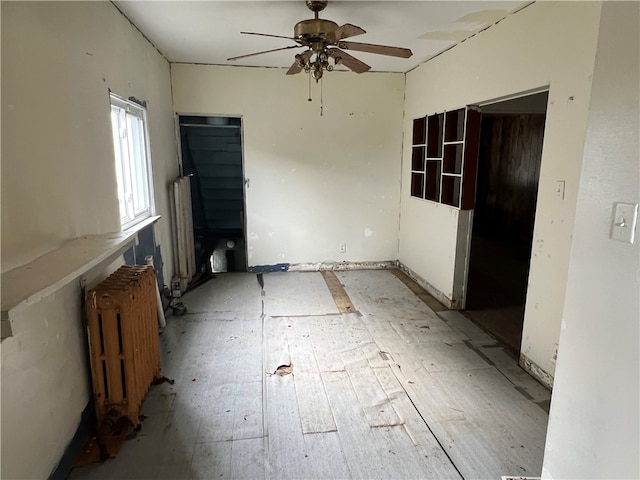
x=208, y=32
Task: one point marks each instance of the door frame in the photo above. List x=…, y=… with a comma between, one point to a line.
x=466, y=225
x=465, y=222
x=245, y=181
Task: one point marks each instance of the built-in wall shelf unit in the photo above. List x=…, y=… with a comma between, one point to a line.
x=27, y=284
x=444, y=157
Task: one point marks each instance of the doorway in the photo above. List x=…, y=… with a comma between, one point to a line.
x=211, y=150
x=509, y=160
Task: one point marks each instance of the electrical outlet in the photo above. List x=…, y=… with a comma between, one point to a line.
x=342, y=248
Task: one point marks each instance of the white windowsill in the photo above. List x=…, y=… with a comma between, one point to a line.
x=27, y=284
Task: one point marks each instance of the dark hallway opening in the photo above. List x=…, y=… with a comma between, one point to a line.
x=507, y=186
x=212, y=155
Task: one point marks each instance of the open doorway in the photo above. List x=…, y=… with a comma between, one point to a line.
x=509, y=159
x=212, y=155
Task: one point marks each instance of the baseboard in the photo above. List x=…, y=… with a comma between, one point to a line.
x=342, y=266
x=535, y=371
x=433, y=291
x=509, y=477
x=73, y=450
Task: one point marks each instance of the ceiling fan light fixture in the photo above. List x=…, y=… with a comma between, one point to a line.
x=317, y=71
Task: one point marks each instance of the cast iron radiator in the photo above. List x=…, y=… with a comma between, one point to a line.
x=124, y=349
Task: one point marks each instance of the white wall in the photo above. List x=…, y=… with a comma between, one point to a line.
x=45, y=385
x=546, y=44
x=59, y=61
x=594, y=421
x=314, y=182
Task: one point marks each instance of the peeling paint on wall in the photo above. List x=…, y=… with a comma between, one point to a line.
x=536, y=372
x=342, y=266
x=467, y=26
x=451, y=35
x=433, y=291
x=483, y=17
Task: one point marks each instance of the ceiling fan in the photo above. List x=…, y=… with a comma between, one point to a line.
x=324, y=39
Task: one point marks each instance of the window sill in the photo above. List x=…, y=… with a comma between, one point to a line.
x=28, y=284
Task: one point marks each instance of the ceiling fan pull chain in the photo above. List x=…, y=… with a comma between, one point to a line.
x=309, y=99
x=321, y=97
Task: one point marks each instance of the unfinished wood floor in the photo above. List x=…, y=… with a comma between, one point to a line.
x=392, y=390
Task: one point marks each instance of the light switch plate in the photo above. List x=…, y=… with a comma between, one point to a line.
x=625, y=216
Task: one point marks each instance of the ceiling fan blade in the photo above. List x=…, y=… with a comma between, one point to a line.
x=295, y=68
x=344, y=31
x=343, y=58
x=265, y=51
x=269, y=35
x=379, y=49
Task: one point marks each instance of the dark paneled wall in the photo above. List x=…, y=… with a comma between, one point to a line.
x=212, y=154
x=508, y=173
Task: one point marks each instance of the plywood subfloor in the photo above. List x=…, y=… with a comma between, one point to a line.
x=392, y=390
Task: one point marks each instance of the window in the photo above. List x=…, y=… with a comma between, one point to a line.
x=133, y=167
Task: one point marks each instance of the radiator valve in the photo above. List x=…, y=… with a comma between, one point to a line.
x=175, y=287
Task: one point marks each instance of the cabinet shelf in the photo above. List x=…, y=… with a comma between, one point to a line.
x=417, y=184
x=454, y=125
x=451, y=187
x=435, y=126
x=418, y=158
x=419, y=131
x=452, y=160
x=445, y=156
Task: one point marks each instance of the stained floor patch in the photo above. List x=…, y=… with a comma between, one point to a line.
x=343, y=302
x=420, y=292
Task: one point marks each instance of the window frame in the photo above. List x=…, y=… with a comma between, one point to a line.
x=135, y=110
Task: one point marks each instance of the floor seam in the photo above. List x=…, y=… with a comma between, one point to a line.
x=265, y=426
x=427, y=425
x=437, y=440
